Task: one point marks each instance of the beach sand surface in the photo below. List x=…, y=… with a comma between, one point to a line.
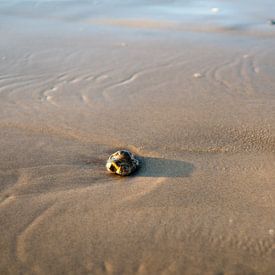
x=187, y=86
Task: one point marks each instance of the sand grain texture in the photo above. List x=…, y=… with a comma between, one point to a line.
x=186, y=86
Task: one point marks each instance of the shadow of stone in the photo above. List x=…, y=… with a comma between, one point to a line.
x=159, y=167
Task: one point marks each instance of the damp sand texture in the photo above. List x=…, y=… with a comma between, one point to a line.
x=187, y=86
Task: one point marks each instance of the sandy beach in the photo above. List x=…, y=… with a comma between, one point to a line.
x=187, y=86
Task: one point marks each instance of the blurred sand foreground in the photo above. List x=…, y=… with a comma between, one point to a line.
x=188, y=86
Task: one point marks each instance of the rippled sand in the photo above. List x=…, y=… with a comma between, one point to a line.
x=188, y=86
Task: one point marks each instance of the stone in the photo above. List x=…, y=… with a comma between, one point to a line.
x=122, y=163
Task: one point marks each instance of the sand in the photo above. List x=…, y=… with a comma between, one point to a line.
x=188, y=86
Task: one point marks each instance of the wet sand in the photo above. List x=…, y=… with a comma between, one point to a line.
x=188, y=86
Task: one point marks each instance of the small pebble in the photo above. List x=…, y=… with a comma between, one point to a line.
x=256, y=70
x=197, y=75
x=122, y=163
x=271, y=232
x=215, y=10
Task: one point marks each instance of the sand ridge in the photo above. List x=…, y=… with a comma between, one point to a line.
x=187, y=86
